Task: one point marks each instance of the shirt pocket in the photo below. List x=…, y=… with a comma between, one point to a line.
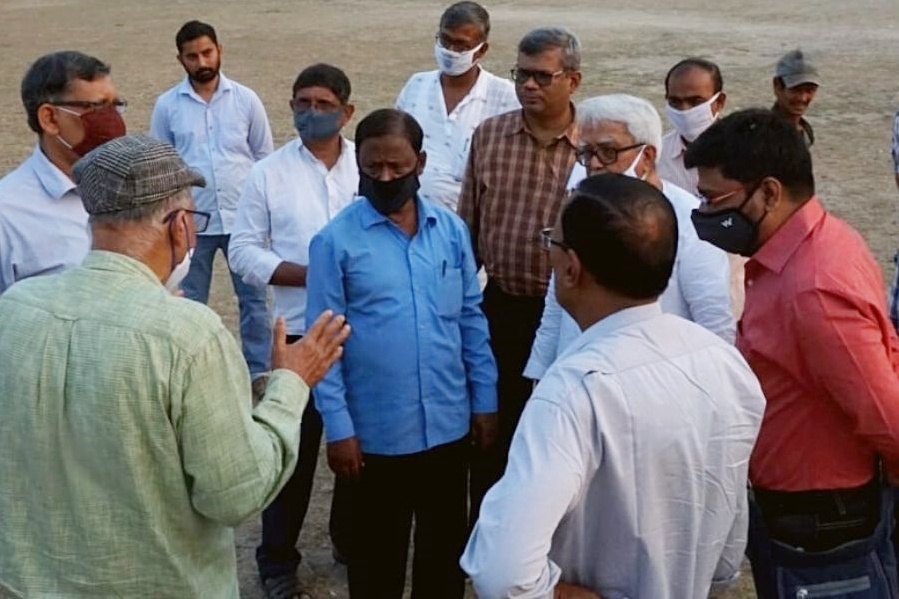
x=449, y=291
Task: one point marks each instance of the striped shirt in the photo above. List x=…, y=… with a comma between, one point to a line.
x=671, y=163
x=513, y=188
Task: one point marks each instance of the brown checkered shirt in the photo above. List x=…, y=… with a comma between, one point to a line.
x=513, y=188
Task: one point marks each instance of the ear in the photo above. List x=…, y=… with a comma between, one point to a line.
x=219, y=48
x=178, y=58
x=650, y=153
x=480, y=53
x=575, y=81
x=777, y=83
x=180, y=232
x=290, y=103
x=348, y=111
x=718, y=105
x=422, y=160
x=569, y=276
x=773, y=193
x=46, y=119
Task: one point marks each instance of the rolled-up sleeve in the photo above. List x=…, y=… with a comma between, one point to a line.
x=249, y=253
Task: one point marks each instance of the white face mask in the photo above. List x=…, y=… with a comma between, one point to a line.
x=179, y=272
x=454, y=63
x=692, y=122
x=632, y=169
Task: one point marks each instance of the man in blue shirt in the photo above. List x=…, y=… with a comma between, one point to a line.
x=220, y=129
x=416, y=378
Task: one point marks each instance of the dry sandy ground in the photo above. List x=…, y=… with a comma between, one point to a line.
x=628, y=46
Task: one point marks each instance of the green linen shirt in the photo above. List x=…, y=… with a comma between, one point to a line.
x=130, y=447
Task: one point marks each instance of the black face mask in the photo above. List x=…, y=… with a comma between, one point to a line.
x=388, y=197
x=729, y=229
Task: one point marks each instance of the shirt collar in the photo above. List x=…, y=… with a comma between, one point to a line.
x=55, y=182
x=678, y=148
x=781, y=246
x=371, y=217
x=613, y=322
x=519, y=125
x=346, y=151
x=186, y=89
x=115, y=262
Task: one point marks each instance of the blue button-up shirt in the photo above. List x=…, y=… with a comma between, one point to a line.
x=221, y=139
x=418, y=362
x=43, y=224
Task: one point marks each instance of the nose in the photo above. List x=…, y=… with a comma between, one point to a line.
x=384, y=173
x=594, y=167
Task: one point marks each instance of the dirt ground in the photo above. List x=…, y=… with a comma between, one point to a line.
x=627, y=47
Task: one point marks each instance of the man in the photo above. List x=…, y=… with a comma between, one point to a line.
x=694, y=99
x=220, y=129
x=289, y=196
x=795, y=83
x=417, y=377
x=894, y=287
x=627, y=473
x=452, y=101
x=130, y=447
x=816, y=333
x=621, y=134
x=73, y=106
x=514, y=185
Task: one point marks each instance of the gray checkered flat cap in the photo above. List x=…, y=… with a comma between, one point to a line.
x=129, y=172
x=795, y=69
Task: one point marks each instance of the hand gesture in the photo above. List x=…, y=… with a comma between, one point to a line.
x=313, y=355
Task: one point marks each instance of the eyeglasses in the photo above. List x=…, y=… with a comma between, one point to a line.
x=201, y=219
x=451, y=44
x=705, y=201
x=546, y=238
x=604, y=153
x=543, y=78
x=120, y=105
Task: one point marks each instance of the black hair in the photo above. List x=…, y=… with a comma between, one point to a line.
x=327, y=76
x=466, y=13
x=752, y=144
x=389, y=121
x=699, y=63
x=194, y=30
x=624, y=232
x=49, y=77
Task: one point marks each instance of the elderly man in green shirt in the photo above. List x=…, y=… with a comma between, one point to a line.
x=129, y=443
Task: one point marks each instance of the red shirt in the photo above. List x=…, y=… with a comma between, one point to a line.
x=816, y=332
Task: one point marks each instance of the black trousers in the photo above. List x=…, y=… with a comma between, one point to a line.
x=429, y=487
x=283, y=519
x=513, y=321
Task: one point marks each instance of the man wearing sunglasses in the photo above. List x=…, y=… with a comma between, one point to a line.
x=816, y=332
x=452, y=101
x=622, y=134
x=130, y=446
x=73, y=106
x=514, y=185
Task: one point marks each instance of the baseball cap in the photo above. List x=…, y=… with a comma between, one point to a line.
x=795, y=69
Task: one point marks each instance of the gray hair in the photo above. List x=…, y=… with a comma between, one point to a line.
x=639, y=116
x=144, y=213
x=542, y=39
x=466, y=13
x=48, y=79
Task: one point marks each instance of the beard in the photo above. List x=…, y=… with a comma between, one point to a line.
x=205, y=75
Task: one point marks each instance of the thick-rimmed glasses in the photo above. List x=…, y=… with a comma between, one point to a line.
x=543, y=78
x=606, y=154
x=201, y=219
x=546, y=239
x=120, y=105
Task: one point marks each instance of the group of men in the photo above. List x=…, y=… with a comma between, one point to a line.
x=583, y=427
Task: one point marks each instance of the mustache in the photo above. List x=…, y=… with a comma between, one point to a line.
x=204, y=75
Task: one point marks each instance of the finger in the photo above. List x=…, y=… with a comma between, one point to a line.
x=315, y=331
x=279, y=343
x=335, y=334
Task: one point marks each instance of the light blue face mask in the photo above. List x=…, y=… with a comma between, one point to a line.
x=313, y=125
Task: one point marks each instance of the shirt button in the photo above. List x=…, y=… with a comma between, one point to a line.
x=749, y=282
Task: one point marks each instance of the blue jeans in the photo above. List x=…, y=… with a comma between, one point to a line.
x=858, y=569
x=255, y=328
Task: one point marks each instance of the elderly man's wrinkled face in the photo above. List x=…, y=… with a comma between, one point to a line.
x=608, y=147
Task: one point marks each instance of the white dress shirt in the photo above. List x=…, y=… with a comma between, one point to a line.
x=698, y=289
x=288, y=198
x=627, y=472
x=221, y=139
x=43, y=224
x=448, y=136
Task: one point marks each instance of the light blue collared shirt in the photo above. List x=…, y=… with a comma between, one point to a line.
x=418, y=362
x=221, y=140
x=43, y=224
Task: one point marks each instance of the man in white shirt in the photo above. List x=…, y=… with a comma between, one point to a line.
x=694, y=99
x=289, y=196
x=451, y=102
x=621, y=134
x=73, y=106
x=220, y=129
x=627, y=473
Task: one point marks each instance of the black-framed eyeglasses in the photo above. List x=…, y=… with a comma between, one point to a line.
x=201, y=219
x=546, y=239
x=543, y=78
x=604, y=153
x=120, y=105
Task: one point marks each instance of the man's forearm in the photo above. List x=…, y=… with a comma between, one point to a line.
x=289, y=274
